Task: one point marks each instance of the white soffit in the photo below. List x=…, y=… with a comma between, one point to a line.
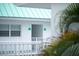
x=34, y=5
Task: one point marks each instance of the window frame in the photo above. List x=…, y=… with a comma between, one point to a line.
x=9, y=29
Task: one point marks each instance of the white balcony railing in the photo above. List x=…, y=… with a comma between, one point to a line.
x=37, y=39
x=22, y=48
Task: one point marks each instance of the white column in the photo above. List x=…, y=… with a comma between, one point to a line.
x=56, y=9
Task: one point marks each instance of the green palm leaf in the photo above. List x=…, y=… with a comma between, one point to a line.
x=68, y=16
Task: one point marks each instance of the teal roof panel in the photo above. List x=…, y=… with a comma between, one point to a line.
x=3, y=10
x=10, y=10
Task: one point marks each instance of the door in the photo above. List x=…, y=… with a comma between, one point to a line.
x=37, y=32
x=37, y=35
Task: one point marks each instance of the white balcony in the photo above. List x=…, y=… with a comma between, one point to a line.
x=23, y=48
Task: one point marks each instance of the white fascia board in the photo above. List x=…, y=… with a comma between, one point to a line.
x=24, y=19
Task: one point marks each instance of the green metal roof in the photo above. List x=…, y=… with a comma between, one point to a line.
x=11, y=10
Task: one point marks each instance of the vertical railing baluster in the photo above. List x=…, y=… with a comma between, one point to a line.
x=23, y=48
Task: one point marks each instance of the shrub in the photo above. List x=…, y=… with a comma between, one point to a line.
x=72, y=51
x=61, y=44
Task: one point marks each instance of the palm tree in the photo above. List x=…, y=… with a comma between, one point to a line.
x=69, y=16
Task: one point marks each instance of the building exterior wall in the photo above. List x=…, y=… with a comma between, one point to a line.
x=74, y=27
x=25, y=32
x=23, y=45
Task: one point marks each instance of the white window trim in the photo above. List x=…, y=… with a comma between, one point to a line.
x=10, y=31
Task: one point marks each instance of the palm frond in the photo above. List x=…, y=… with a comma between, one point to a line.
x=69, y=15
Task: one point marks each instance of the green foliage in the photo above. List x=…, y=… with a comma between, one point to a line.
x=72, y=51
x=49, y=51
x=68, y=16
x=71, y=36
x=61, y=44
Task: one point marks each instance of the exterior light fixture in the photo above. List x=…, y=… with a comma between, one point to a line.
x=44, y=29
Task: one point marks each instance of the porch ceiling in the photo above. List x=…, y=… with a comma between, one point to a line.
x=34, y=5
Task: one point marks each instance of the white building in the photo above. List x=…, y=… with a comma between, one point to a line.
x=26, y=28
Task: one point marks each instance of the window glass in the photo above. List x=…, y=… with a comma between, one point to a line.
x=15, y=30
x=4, y=30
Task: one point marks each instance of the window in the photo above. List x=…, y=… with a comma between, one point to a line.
x=12, y=30
x=37, y=32
x=15, y=30
x=4, y=30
